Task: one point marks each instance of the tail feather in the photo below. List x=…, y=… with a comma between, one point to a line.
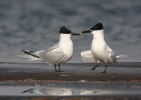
x=123, y=56
x=33, y=56
x=30, y=53
x=87, y=56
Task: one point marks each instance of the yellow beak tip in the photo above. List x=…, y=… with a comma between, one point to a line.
x=80, y=33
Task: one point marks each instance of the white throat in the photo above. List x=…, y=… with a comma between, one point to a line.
x=98, y=41
x=66, y=43
x=99, y=34
x=64, y=37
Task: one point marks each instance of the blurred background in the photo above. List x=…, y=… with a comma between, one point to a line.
x=34, y=25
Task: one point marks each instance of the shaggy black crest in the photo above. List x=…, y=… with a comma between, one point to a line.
x=98, y=26
x=64, y=30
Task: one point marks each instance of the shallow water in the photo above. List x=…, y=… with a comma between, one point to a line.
x=74, y=88
x=34, y=25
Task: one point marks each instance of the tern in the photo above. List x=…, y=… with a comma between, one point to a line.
x=99, y=49
x=57, y=54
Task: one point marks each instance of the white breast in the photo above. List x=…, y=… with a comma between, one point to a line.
x=67, y=46
x=98, y=50
x=99, y=47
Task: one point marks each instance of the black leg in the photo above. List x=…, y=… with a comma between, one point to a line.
x=55, y=68
x=95, y=67
x=59, y=68
x=105, y=69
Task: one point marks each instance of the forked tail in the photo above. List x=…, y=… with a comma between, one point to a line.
x=31, y=55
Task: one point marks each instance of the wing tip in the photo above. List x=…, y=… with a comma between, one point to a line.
x=25, y=51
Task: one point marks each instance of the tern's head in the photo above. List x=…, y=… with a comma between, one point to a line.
x=97, y=27
x=64, y=30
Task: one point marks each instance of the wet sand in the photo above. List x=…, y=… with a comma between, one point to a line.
x=124, y=77
x=72, y=72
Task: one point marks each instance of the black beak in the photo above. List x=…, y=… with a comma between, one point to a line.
x=75, y=34
x=87, y=31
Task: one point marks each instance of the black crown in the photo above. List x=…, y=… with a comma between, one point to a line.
x=98, y=26
x=64, y=30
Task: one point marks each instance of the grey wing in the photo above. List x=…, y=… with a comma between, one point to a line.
x=53, y=47
x=112, y=55
x=52, y=55
x=87, y=56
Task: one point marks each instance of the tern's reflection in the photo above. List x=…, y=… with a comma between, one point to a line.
x=50, y=91
x=93, y=92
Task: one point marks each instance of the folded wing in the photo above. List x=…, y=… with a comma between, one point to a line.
x=87, y=56
x=52, y=55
